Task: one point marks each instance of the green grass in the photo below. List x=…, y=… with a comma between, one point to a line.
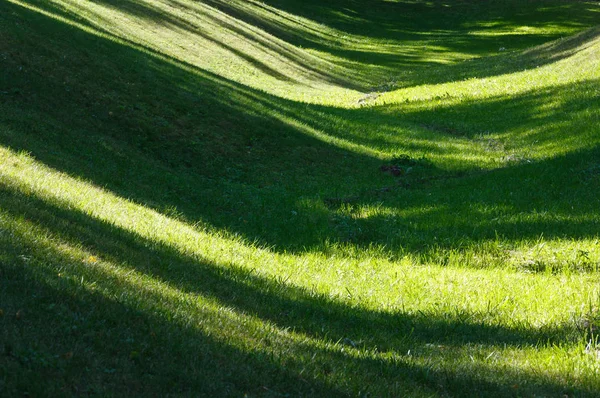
x=299, y=198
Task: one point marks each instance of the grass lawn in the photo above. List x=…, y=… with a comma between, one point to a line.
x=299, y=198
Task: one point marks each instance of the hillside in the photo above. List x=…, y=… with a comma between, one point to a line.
x=299, y=198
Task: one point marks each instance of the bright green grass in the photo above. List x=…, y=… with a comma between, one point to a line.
x=191, y=199
x=263, y=46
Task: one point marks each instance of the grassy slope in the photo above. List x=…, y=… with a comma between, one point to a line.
x=218, y=217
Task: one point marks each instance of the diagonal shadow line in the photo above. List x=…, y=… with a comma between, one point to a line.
x=185, y=364
x=524, y=109
x=172, y=356
x=422, y=15
x=148, y=12
x=285, y=305
x=92, y=237
x=478, y=67
x=205, y=351
x=294, y=55
x=257, y=98
x=460, y=71
x=156, y=15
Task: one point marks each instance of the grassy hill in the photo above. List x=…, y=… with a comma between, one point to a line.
x=299, y=198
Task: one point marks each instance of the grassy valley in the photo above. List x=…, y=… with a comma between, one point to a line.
x=298, y=198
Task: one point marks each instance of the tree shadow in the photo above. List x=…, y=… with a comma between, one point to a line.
x=555, y=199
x=402, y=60
x=433, y=129
x=215, y=147
x=383, y=19
x=412, y=27
x=194, y=147
x=282, y=304
x=541, y=110
x=204, y=22
x=514, y=128
x=497, y=65
x=214, y=152
x=74, y=341
x=137, y=323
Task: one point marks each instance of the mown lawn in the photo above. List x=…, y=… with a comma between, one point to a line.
x=299, y=198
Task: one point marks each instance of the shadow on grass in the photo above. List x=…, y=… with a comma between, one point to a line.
x=152, y=346
x=409, y=28
x=418, y=35
x=212, y=151
x=542, y=111
x=549, y=197
x=209, y=148
x=214, y=147
x=284, y=305
x=387, y=20
x=555, y=199
x=208, y=25
x=506, y=64
x=75, y=341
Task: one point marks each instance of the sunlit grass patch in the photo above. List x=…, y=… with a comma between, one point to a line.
x=445, y=303
x=299, y=58
x=299, y=198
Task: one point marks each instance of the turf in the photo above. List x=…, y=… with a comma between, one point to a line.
x=299, y=198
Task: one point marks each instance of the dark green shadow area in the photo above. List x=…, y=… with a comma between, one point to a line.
x=181, y=141
x=387, y=19
x=413, y=26
x=409, y=26
x=206, y=150
x=73, y=342
x=155, y=15
x=503, y=64
x=210, y=151
x=556, y=199
x=545, y=112
x=273, y=300
x=123, y=340
x=433, y=126
x=524, y=199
